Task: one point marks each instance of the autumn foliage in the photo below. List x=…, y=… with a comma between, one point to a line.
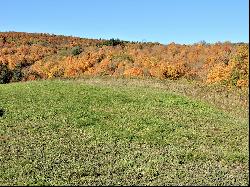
x=25, y=56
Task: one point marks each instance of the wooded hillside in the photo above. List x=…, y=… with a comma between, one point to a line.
x=29, y=56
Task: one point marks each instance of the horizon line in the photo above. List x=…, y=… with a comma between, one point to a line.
x=142, y=41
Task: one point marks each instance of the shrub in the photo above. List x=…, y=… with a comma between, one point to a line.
x=17, y=74
x=64, y=52
x=5, y=74
x=122, y=58
x=174, y=71
x=112, y=42
x=76, y=50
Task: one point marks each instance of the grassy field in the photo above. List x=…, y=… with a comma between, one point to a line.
x=122, y=132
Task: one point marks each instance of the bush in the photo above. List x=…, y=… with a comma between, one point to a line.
x=64, y=52
x=17, y=74
x=76, y=50
x=5, y=74
x=112, y=42
x=174, y=71
x=122, y=58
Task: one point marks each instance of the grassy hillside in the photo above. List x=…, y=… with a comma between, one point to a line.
x=124, y=132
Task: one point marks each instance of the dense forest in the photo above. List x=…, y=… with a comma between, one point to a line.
x=31, y=56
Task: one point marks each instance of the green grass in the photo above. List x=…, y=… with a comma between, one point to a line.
x=83, y=132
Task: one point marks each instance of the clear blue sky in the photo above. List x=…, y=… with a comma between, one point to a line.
x=164, y=21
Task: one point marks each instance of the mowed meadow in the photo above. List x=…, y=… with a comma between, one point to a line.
x=79, y=111
x=120, y=132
